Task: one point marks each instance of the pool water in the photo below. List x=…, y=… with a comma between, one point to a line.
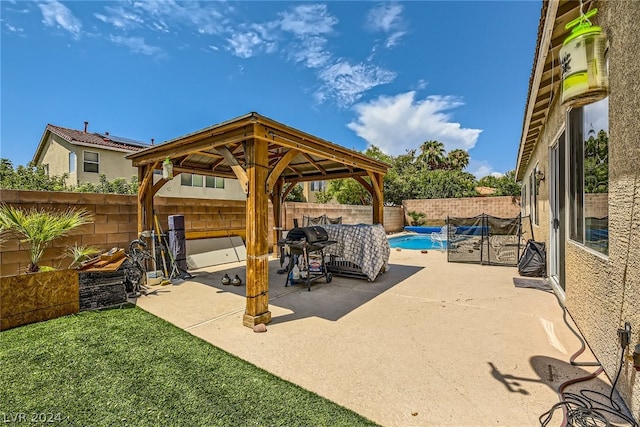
x=415, y=241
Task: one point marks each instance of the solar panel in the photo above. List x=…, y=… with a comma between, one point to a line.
x=122, y=140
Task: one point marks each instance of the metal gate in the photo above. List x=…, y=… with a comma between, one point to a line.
x=485, y=239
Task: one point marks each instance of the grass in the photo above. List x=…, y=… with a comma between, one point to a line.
x=128, y=367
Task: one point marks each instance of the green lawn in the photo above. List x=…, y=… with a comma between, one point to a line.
x=128, y=367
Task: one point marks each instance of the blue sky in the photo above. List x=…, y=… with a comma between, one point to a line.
x=390, y=74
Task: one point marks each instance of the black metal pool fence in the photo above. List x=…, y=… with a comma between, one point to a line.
x=486, y=239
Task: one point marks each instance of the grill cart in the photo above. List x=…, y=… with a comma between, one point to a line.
x=306, y=247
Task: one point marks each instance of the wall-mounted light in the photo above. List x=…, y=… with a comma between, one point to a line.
x=539, y=175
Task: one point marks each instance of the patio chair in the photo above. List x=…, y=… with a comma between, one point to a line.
x=443, y=235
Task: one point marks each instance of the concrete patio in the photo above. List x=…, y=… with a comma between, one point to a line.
x=427, y=343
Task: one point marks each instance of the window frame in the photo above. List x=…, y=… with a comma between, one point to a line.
x=576, y=186
x=73, y=162
x=85, y=161
x=216, y=181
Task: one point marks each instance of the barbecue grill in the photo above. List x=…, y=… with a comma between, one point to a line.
x=305, y=242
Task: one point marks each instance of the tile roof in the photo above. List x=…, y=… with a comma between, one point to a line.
x=102, y=140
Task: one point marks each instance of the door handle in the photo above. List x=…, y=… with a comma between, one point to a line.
x=556, y=223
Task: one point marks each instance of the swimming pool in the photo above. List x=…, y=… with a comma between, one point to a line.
x=415, y=241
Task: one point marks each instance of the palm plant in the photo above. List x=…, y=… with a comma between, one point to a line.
x=38, y=228
x=458, y=159
x=82, y=253
x=432, y=154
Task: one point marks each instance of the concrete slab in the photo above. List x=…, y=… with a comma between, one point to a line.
x=426, y=343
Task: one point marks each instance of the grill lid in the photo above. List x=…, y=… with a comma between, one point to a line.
x=312, y=234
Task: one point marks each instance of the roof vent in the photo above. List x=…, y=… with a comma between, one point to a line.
x=85, y=126
x=106, y=133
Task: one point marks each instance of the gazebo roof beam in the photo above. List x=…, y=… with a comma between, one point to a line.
x=344, y=157
x=171, y=151
x=315, y=164
x=328, y=176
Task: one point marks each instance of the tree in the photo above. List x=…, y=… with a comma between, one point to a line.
x=488, y=181
x=457, y=159
x=505, y=185
x=596, y=164
x=432, y=155
x=349, y=192
x=117, y=186
x=323, y=197
x=296, y=194
x=38, y=228
x=444, y=184
x=30, y=177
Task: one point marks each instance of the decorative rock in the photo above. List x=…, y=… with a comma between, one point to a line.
x=260, y=327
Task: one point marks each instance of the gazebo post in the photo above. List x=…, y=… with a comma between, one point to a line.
x=377, y=181
x=145, y=197
x=276, y=202
x=257, y=288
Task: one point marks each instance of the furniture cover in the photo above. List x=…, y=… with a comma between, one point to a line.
x=365, y=245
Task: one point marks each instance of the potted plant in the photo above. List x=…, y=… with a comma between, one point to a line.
x=29, y=298
x=38, y=228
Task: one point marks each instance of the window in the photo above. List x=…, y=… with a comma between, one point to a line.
x=214, y=182
x=589, y=175
x=534, y=188
x=191, y=180
x=524, y=201
x=72, y=162
x=318, y=186
x=91, y=162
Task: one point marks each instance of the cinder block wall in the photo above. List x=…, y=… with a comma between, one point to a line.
x=437, y=210
x=116, y=220
x=115, y=224
x=351, y=214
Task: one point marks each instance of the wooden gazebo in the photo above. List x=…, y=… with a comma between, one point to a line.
x=263, y=155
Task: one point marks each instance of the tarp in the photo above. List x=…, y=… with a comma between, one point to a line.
x=533, y=262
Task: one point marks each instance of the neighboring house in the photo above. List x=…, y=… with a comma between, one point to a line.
x=310, y=188
x=85, y=155
x=580, y=170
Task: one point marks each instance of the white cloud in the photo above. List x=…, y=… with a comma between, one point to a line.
x=308, y=20
x=205, y=17
x=247, y=44
x=347, y=83
x=136, y=45
x=120, y=18
x=55, y=14
x=13, y=29
x=400, y=123
x=312, y=52
x=387, y=18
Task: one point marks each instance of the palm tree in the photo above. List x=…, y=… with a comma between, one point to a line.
x=38, y=228
x=432, y=154
x=457, y=159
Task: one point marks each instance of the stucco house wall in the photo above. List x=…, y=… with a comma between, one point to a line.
x=601, y=292
x=232, y=190
x=55, y=154
x=112, y=165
